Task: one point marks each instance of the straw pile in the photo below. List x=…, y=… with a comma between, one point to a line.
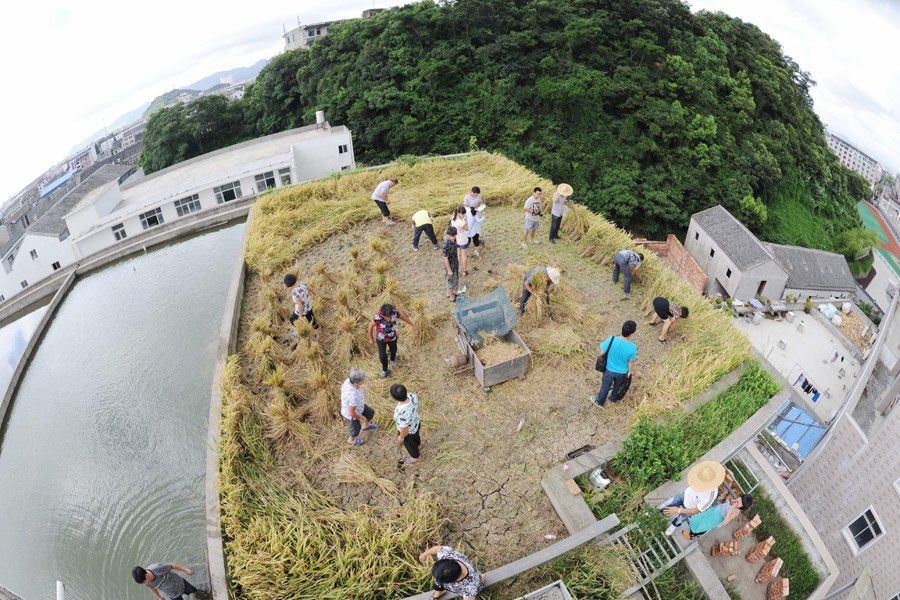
x=498, y=351
x=852, y=327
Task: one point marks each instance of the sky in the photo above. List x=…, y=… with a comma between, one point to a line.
x=72, y=68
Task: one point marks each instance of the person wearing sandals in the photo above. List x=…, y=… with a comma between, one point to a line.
x=703, y=481
x=454, y=572
x=668, y=312
x=406, y=416
x=462, y=238
x=451, y=264
x=353, y=407
x=385, y=323
x=620, y=357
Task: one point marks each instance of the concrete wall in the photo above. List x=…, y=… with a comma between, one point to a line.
x=317, y=157
x=851, y=474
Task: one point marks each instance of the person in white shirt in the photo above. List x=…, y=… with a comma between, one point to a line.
x=557, y=209
x=532, y=217
x=462, y=238
x=474, y=218
x=704, y=480
x=380, y=196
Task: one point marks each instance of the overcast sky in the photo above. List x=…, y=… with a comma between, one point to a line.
x=70, y=68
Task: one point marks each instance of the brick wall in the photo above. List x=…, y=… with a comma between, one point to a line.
x=677, y=258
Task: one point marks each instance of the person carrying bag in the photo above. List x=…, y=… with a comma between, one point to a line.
x=616, y=362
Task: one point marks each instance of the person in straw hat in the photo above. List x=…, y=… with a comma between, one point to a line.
x=703, y=480
x=557, y=209
x=551, y=275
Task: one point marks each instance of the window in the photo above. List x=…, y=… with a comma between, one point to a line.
x=342, y=149
x=894, y=597
x=34, y=255
x=863, y=531
x=345, y=168
x=10, y=259
x=228, y=192
x=2, y=298
x=728, y=273
x=697, y=235
x=55, y=266
x=119, y=232
x=265, y=181
x=24, y=283
x=186, y=206
x=285, y=175
x=152, y=218
x=712, y=252
x=897, y=486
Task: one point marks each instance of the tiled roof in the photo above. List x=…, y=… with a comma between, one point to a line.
x=733, y=238
x=813, y=269
x=52, y=222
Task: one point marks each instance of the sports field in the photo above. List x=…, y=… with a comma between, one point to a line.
x=889, y=249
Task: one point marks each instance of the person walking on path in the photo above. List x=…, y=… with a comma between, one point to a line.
x=532, y=217
x=162, y=580
x=353, y=407
x=668, y=312
x=462, y=238
x=383, y=332
x=451, y=264
x=620, y=357
x=718, y=515
x=302, y=302
x=475, y=218
x=551, y=277
x=454, y=572
x=557, y=209
x=473, y=200
x=422, y=222
x=703, y=480
x=380, y=196
x=406, y=416
x=627, y=262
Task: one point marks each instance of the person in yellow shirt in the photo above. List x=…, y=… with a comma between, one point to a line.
x=422, y=222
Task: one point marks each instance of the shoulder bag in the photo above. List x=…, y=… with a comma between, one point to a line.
x=601, y=360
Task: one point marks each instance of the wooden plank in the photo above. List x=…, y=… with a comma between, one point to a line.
x=572, y=487
x=547, y=554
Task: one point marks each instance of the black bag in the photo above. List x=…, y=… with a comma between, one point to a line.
x=622, y=390
x=601, y=360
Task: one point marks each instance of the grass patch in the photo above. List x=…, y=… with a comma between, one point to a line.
x=860, y=268
x=797, y=564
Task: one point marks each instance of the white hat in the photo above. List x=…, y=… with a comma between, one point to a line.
x=564, y=189
x=553, y=274
x=706, y=476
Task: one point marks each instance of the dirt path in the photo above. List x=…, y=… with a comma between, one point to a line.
x=486, y=471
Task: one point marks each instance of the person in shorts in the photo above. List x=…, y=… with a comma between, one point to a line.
x=462, y=238
x=406, y=416
x=353, y=407
x=162, y=580
x=423, y=223
x=532, y=217
x=380, y=196
x=451, y=264
x=668, y=312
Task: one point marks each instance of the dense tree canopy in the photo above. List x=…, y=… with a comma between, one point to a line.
x=650, y=112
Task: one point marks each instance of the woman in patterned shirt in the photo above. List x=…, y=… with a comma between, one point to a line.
x=406, y=416
x=385, y=324
x=454, y=572
x=668, y=312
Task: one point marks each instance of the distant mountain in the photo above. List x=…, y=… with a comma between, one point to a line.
x=163, y=100
x=126, y=119
x=238, y=75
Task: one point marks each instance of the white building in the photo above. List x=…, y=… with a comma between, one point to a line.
x=738, y=265
x=106, y=209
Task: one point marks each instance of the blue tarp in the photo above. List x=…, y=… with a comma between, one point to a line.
x=491, y=313
x=794, y=426
x=56, y=183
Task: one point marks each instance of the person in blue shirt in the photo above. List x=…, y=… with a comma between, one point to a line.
x=619, y=363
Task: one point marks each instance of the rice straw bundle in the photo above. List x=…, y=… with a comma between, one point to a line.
x=353, y=469
x=577, y=221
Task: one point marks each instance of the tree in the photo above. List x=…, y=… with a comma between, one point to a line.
x=855, y=243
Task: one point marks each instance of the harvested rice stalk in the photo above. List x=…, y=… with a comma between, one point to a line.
x=275, y=377
x=327, y=277
x=283, y=420
x=498, y=351
x=354, y=470
x=261, y=324
x=577, y=221
x=392, y=293
x=322, y=408
x=560, y=346
x=379, y=246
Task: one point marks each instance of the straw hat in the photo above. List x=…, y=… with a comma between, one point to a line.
x=706, y=476
x=553, y=274
x=565, y=189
